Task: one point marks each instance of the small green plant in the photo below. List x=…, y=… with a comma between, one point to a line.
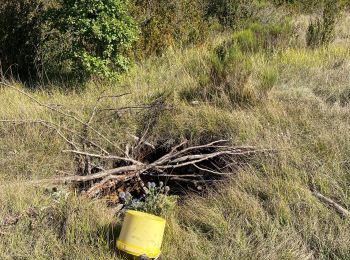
x=330, y=14
x=157, y=200
x=228, y=60
x=230, y=70
x=268, y=78
x=230, y=67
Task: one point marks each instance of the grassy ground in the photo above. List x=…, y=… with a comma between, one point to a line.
x=265, y=211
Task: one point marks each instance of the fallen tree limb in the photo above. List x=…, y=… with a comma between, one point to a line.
x=332, y=204
x=92, y=177
x=105, y=157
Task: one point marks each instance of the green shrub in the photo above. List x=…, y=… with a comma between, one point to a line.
x=227, y=81
x=99, y=33
x=245, y=39
x=331, y=12
x=314, y=33
x=230, y=71
x=230, y=81
x=20, y=38
x=230, y=62
x=321, y=31
x=272, y=36
x=166, y=23
x=225, y=59
x=78, y=38
x=232, y=13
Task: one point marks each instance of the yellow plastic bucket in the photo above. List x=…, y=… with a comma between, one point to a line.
x=141, y=234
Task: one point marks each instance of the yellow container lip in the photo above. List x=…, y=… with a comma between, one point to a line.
x=136, y=250
x=145, y=215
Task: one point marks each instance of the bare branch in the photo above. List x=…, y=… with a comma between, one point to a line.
x=55, y=126
x=211, y=171
x=99, y=99
x=145, y=142
x=105, y=157
x=100, y=175
x=59, y=112
x=331, y=203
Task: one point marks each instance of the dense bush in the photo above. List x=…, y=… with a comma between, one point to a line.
x=75, y=38
x=20, y=38
x=167, y=22
x=232, y=13
x=100, y=32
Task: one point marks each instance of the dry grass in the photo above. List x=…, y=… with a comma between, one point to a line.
x=265, y=212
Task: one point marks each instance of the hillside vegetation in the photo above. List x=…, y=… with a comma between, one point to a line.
x=260, y=86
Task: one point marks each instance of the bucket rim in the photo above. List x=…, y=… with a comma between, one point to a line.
x=144, y=214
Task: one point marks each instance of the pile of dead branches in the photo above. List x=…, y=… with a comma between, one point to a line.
x=100, y=172
x=194, y=165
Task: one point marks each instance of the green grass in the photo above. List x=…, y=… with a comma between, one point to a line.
x=265, y=211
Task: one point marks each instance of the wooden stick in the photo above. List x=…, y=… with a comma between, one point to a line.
x=331, y=203
x=100, y=175
x=105, y=157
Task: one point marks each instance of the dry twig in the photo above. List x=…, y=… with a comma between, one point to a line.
x=331, y=203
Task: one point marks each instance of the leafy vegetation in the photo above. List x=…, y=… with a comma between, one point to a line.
x=72, y=41
x=255, y=86
x=99, y=32
x=157, y=200
x=229, y=80
x=67, y=40
x=20, y=38
x=233, y=13
x=168, y=23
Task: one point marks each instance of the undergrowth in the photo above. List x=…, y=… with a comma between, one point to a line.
x=298, y=105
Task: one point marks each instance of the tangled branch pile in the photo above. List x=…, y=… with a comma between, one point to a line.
x=193, y=165
x=99, y=172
